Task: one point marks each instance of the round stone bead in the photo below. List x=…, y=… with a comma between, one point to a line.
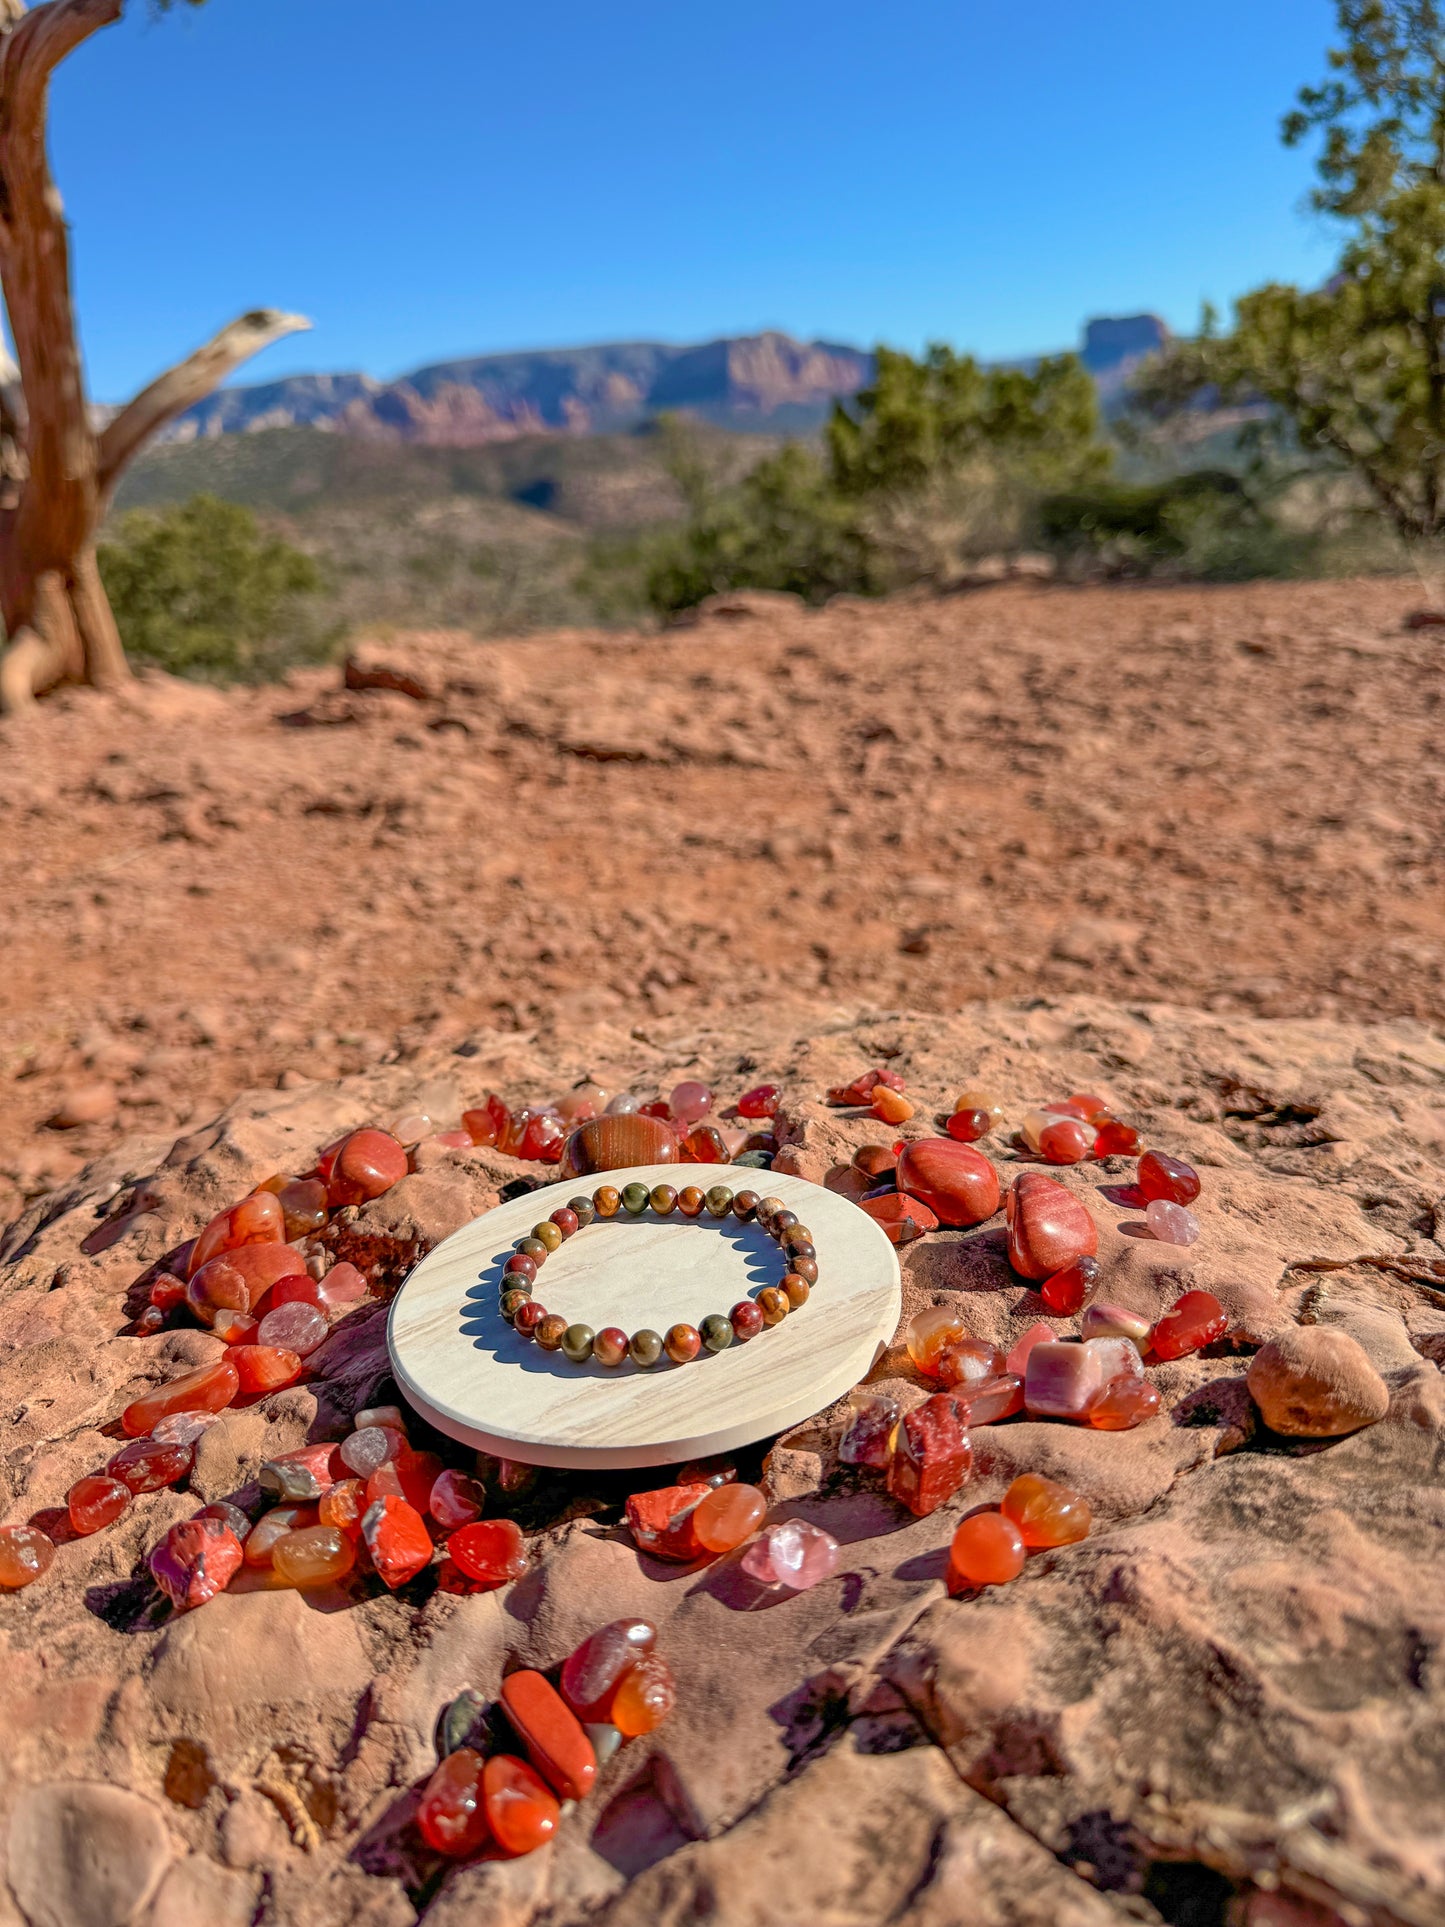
x=565, y=1219
x=548, y=1234
x=780, y=1221
x=747, y=1320
x=773, y=1304
x=551, y=1331
x=768, y=1208
x=716, y=1332
x=719, y=1200
x=797, y=1289
x=512, y=1302
x=528, y=1317
x=664, y=1199
x=607, y=1200
x=645, y=1348
x=609, y=1347
x=987, y=1550
x=582, y=1209
x=797, y=1248
x=534, y=1249
x=635, y=1198
x=794, y=1235
x=520, y=1266
x=577, y=1342
x=690, y=1200
x=683, y=1342
x=745, y=1205
x=806, y=1268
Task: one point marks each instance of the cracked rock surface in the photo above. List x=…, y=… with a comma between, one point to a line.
x=1226, y=1705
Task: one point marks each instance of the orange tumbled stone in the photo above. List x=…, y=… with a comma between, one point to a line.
x=235, y=1280
x=211, y=1389
x=257, y=1220
x=987, y=1550
x=892, y=1106
x=410, y=1476
x=95, y=1502
x=614, y=1142
x=551, y=1733
x=969, y=1362
x=316, y=1555
x=1123, y=1402
x=957, y=1183
x=1048, y=1228
x=343, y=1505
x=368, y=1163
x=592, y=1674
x=902, y=1218
x=272, y=1527
x=521, y=1810
x=930, y=1332
x=727, y=1515
x=265, y=1368
x=491, y=1551
x=644, y=1698
x=25, y=1555
x=1045, y=1512
x=397, y=1539
x=452, y=1813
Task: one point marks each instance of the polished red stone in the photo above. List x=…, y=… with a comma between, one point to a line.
x=1045, y=1512
x=1114, y=1139
x=489, y=1550
x=368, y=1164
x=728, y=1515
x=522, y=1811
x=966, y=1362
x=299, y=1289
x=455, y=1499
x=1048, y=1228
x=145, y=1466
x=25, y=1556
x=410, y=1476
x=197, y=1559
x=1123, y=1402
x=1039, y=1334
x=1084, y=1104
x=451, y=1814
x=480, y=1126
x=1191, y=1322
x=1161, y=1176
x=890, y=1105
x=313, y=1556
x=968, y=1126
x=167, y=1292
x=542, y=1138
x=704, y=1144
x=661, y=1521
x=301, y=1474
x=303, y=1204
x=957, y=1183
x=987, y=1550
x=615, y=1142
x=1068, y=1140
x=210, y=1389
x=747, y=1320
x=551, y=1733
x=1069, y=1290
x=932, y=1457
x=861, y=1090
x=257, y=1220
x=95, y=1502
x=902, y=1218
x=761, y=1101
x=342, y=1285
x=236, y=1279
x=260, y=1542
x=990, y=1400
x=397, y=1539
x=645, y=1696
x=592, y=1674
x=265, y=1368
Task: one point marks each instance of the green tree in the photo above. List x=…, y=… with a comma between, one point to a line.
x=202, y=590
x=1353, y=372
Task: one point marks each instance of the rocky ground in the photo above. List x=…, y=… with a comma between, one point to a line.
x=1224, y=1706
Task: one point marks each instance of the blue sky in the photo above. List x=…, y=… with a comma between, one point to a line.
x=454, y=176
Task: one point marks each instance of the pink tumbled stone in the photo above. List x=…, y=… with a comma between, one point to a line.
x=343, y=1285
x=1171, y=1223
x=690, y=1101
x=1113, y=1321
x=792, y=1554
x=455, y=1500
x=1040, y=1334
x=1117, y=1357
x=1061, y=1380
x=183, y=1428
x=295, y=1327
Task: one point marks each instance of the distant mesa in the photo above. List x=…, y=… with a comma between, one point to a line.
x=762, y=382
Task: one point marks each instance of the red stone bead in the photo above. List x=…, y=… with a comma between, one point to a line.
x=1161, y=1176
x=761, y=1101
x=95, y=1502
x=397, y=1539
x=987, y=1550
x=1069, y=1290
x=957, y=1183
x=235, y=1280
x=368, y=1164
x=257, y=1220
x=966, y=1127
x=522, y=1812
x=528, y=1317
x=993, y=1399
x=1191, y=1322
x=197, y=1559
x=661, y=1521
x=902, y=1218
x=1114, y=1139
x=146, y=1466
x=747, y=1320
x=682, y=1343
x=592, y=1674
x=1048, y=1228
x=211, y=1389
x=645, y=1696
x=1045, y=1512
x=490, y=1550
x=932, y=1457
x=452, y=1812
x=614, y=1142
x=25, y=1556
x=566, y=1220
x=1123, y=1402
x=266, y=1368
x=551, y=1733
x=1066, y=1141
x=609, y=1347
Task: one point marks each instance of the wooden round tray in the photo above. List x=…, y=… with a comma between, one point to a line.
x=463, y=1367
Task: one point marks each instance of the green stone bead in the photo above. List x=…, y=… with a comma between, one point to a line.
x=548, y=1234
x=577, y=1343
x=664, y=1199
x=635, y=1198
x=511, y=1300
x=583, y=1210
x=717, y=1332
x=534, y=1249
x=645, y=1348
x=719, y=1201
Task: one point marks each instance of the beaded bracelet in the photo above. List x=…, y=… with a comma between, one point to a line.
x=715, y=1333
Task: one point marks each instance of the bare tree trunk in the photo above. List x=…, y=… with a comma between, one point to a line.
x=54, y=490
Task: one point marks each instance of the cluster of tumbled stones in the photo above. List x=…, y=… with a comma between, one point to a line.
x=612, y=1345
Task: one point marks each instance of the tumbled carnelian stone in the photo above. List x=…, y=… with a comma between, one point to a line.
x=211, y=1389
x=145, y=1466
x=967, y=1127
x=1115, y=1139
x=957, y=1183
x=930, y=1332
x=551, y=1733
x=1068, y=1291
x=480, y=1126
x=316, y=1555
x=1195, y=1320
x=298, y=1289
x=1123, y=1402
x=521, y=1809
x=727, y=1515
x=266, y=1368
x=967, y=1362
x=890, y=1105
x=1161, y=1176
x=368, y=1163
x=452, y=1813
x=410, y=1476
x=256, y=1220
x=987, y=1550
x=992, y=1399
x=95, y=1501
x=1048, y=1228
x=197, y=1559
x=397, y=1539
x=272, y=1526
x=235, y=1280
x=455, y=1499
x=902, y=1218
x=1045, y=1512
x=490, y=1550
x=1066, y=1140
x=25, y=1555
x=645, y=1696
x=931, y=1456
x=592, y=1674
x=661, y=1521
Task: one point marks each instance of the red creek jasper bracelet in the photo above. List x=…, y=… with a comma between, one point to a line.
x=612, y=1345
